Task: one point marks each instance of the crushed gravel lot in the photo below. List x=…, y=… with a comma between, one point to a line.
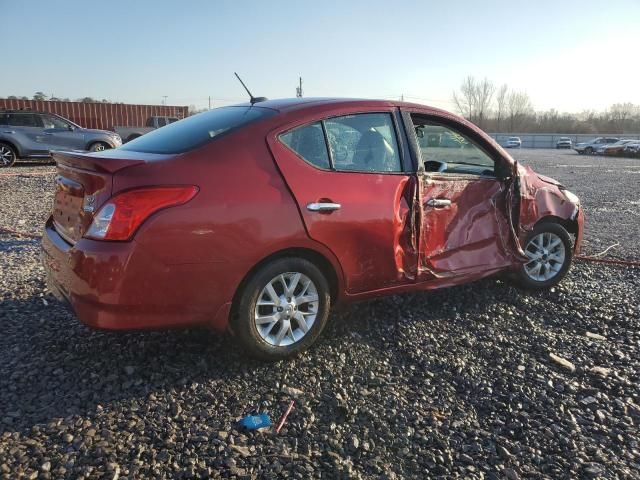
x=453, y=383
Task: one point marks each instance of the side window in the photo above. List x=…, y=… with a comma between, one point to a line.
x=24, y=120
x=448, y=151
x=54, y=122
x=308, y=142
x=364, y=142
x=161, y=121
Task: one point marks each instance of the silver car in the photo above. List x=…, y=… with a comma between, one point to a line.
x=513, y=142
x=28, y=134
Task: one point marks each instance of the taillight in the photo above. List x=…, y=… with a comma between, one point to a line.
x=120, y=217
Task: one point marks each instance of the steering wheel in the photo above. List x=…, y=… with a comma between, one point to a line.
x=435, y=166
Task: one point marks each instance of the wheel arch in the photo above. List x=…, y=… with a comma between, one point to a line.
x=315, y=257
x=12, y=145
x=569, y=225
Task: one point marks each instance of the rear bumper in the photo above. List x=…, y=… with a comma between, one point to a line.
x=119, y=286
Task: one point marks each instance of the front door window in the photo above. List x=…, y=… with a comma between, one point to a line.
x=445, y=150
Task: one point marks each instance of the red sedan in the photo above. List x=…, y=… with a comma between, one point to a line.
x=257, y=218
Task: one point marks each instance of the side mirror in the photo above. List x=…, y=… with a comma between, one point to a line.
x=71, y=128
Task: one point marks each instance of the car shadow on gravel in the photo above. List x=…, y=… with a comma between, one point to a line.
x=52, y=366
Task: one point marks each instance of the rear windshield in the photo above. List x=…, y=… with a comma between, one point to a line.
x=197, y=130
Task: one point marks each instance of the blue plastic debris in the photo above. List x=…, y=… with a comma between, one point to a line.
x=254, y=422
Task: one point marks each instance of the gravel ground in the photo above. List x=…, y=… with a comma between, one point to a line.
x=453, y=383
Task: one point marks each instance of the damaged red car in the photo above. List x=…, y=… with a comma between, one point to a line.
x=258, y=218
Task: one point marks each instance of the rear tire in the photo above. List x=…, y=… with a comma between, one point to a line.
x=550, y=252
x=588, y=150
x=99, y=147
x=282, y=309
x=8, y=155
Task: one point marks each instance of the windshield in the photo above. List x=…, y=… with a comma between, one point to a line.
x=192, y=132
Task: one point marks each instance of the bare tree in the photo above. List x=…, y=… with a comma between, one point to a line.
x=466, y=100
x=518, y=106
x=501, y=105
x=473, y=101
x=620, y=113
x=484, y=95
x=39, y=96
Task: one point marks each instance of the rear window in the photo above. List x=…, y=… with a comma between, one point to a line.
x=197, y=130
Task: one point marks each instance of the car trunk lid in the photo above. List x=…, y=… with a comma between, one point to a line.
x=82, y=184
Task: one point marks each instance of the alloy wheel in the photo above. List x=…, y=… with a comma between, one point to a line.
x=6, y=156
x=546, y=256
x=286, y=309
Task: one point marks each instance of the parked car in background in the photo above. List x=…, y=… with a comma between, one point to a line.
x=513, y=142
x=28, y=134
x=130, y=133
x=632, y=148
x=591, y=146
x=564, y=142
x=614, y=148
x=257, y=218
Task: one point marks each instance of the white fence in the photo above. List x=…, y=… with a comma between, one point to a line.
x=548, y=140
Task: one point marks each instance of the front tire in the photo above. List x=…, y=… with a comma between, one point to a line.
x=282, y=309
x=8, y=155
x=550, y=252
x=99, y=147
x=588, y=150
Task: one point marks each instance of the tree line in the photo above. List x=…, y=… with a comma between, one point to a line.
x=40, y=96
x=499, y=109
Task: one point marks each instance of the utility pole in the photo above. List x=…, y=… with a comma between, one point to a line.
x=209, y=102
x=299, y=88
x=164, y=99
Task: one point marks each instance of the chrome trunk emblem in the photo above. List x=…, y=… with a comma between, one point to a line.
x=89, y=204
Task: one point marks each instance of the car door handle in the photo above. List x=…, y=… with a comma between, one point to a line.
x=323, y=207
x=9, y=131
x=438, y=202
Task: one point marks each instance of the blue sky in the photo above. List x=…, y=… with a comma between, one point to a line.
x=568, y=55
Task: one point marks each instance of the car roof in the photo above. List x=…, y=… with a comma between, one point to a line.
x=25, y=111
x=290, y=104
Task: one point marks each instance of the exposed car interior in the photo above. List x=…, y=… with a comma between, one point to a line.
x=445, y=150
